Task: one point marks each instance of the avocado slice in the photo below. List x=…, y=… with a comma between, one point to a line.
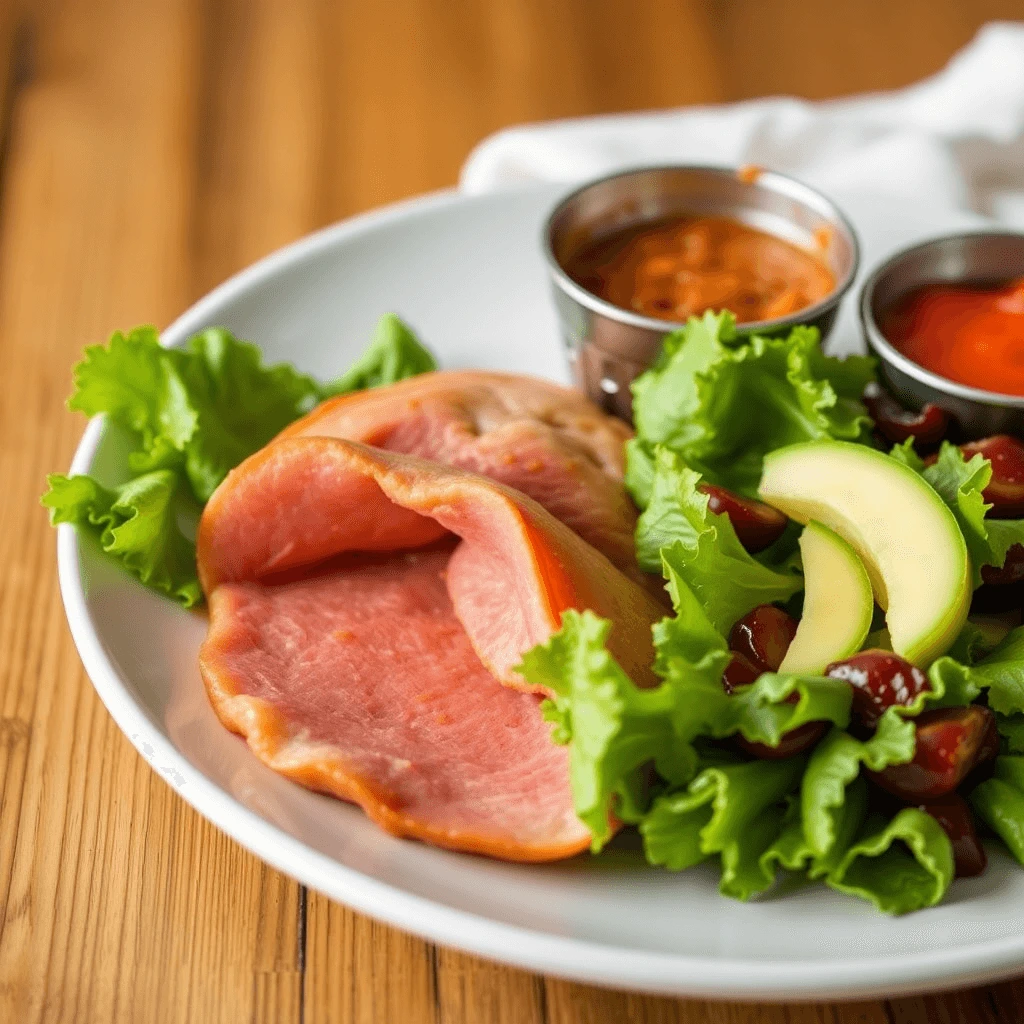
x=906, y=536
x=838, y=603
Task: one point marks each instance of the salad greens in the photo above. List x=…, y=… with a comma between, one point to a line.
x=722, y=400
x=999, y=802
x=706, y=552
x=734, y=811
x=905, y=864
x=960, y=482
x=713, y=405
x=135, y=523
x=193, y=414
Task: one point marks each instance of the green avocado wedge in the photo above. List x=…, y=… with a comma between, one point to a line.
x=906, y=536
x=838, y=603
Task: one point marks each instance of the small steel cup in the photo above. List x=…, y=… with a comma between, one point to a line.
x=608, y=346
x=980, y=257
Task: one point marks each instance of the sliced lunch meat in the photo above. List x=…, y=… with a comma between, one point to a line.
x=367, y=608
x=540, y=438
x=361, y=682
x=303, y=500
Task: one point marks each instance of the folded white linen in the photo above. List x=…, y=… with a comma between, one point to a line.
x=941, y=154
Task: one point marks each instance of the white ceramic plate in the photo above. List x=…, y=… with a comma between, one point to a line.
x=467, y=273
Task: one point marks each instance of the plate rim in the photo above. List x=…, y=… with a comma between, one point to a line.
x=560, y=956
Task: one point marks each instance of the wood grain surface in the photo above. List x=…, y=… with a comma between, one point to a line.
x=150, y=148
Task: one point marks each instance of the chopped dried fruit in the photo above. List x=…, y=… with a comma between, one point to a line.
x=1005, y=491
x=950, y=743
x=880, y=679
x=927, y=427
x=795, y=742
x=757, y=525
x=763, y=636
x=739, y=672
x=953, y=814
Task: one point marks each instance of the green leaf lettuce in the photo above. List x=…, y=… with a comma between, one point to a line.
x=136, y=524
x=960, y=483
x=702, y=548
x=735, y=811
x=723, y=400
x=616, y=729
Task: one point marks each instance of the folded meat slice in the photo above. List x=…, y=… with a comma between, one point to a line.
x=547, y=441
x=300, y=501
x=366, y=608
x=362, y=683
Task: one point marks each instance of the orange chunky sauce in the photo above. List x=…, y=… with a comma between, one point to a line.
x=972, y=334
x=677, y=268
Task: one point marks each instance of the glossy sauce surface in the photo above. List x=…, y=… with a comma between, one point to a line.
x=680, y=267
x=971, y=334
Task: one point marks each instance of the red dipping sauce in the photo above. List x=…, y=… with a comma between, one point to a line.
x=971, y=334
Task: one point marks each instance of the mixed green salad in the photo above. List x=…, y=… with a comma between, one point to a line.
x=694, y=762
x=801, y=766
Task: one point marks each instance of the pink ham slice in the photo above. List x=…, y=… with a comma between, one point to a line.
x=542, y=439
x=362, y=683
x=366, y=608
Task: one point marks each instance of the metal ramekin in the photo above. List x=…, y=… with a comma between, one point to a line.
x=982, y=257
x=608, y=346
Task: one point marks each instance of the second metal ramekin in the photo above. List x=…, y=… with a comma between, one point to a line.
x=981, y=257
x=608, y=346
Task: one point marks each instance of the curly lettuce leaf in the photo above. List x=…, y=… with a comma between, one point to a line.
x=395, y=353
x=837, y=760
x=835, y=764
x=691, y=655
x=978, y=638
x=792, y=851
x=612, y=726
x=999, y=802
x=193, y=414
x=125, y=380
x=900, y=866
x=1000, y=672
x=765, y=711
x=615, y=729
x=202, y=408
x=137, y=524
x=960, y=483
x=702, y=548
x=1003, y=534
x=234, y=403
x=735, y=811
x=1011, y=729
x=724, y=400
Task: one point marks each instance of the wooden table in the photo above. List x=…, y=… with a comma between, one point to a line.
x=150, y=148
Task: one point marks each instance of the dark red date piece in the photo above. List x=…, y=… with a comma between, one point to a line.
x=950, y=743
x=1005, y=491
x=927, y=427
x=1011, y=571
x=763, y=636
x=739, y=672
x=759, y=642
x=757, y=525
x=880, y=679
x=794, y=742
x=953, y=814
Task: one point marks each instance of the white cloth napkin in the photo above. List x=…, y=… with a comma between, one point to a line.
x=945, y=153
x=956, y=139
